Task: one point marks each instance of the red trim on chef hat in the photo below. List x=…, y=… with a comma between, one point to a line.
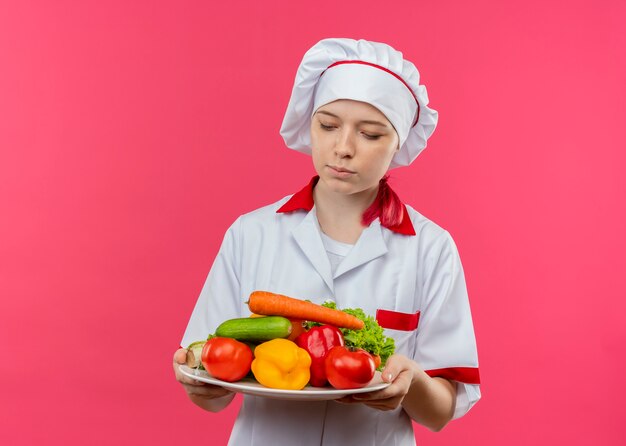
x=341, y=62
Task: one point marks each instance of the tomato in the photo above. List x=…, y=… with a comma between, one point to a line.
x=349, y=368
x=226, y=359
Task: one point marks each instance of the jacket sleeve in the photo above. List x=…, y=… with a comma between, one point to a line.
x=220, y=298
x=446, y=345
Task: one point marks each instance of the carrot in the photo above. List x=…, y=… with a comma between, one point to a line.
x=264, y=302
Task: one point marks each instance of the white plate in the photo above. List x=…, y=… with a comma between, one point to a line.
x=309, y=393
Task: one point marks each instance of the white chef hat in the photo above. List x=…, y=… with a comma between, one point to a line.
x=365, y=71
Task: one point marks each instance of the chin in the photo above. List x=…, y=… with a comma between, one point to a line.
x=337, y=184
x=345, y=187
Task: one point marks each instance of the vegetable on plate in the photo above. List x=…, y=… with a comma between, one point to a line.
x=281, y=364
x=288, y=343
x=255, y=329
x=371, y=338
x=349, y=368
x=226, y=359
x=317, y=342
x=194, y=354
x=271, y=304
x=297, y=328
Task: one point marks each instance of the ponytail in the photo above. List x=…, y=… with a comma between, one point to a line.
x=386, y=206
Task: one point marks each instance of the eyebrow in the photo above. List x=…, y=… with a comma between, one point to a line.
x=382, y=124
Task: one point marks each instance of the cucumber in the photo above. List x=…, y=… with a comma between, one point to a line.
x=255, y=329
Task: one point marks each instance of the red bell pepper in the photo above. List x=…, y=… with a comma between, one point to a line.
x=317, y=342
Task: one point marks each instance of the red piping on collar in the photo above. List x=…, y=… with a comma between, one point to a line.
x=303, y=201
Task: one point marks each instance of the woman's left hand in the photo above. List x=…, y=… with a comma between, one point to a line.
x=400, y=371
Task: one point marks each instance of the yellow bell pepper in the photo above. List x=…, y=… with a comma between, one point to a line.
x=281, y=364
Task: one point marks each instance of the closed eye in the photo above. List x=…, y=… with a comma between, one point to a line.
x=328, y=128
x=368, y=136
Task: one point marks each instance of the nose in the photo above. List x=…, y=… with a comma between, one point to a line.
x=344, y=145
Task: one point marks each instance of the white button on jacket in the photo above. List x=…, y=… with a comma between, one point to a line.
x=414, y=284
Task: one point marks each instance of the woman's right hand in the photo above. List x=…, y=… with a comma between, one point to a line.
x=207, y=396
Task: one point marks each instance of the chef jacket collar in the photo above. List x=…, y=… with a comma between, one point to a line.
x=303, y=200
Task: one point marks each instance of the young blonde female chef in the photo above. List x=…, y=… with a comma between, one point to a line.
x=357, y=107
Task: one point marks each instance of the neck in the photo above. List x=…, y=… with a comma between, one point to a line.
x=340, y=215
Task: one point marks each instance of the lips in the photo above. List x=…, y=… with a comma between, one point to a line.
x=340, y=173
x=342, y=169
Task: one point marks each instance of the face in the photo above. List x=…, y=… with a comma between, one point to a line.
x=352, y=145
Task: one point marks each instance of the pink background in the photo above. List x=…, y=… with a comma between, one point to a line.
x=133, y=133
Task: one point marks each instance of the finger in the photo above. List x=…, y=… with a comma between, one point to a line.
x=199, y=399
x=398, y=388
x=387, y=392
x=392, y=369
x=192, y=382
x=180, y=356
x=380, y=395
x=207, y=392
x=185, y=379
x=384, y=406
x=348, y=399
x=402, y=382
x=205, y=389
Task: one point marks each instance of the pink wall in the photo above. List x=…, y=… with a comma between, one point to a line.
x=133, y=133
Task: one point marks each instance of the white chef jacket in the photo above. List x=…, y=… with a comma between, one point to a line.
x=414, y=284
